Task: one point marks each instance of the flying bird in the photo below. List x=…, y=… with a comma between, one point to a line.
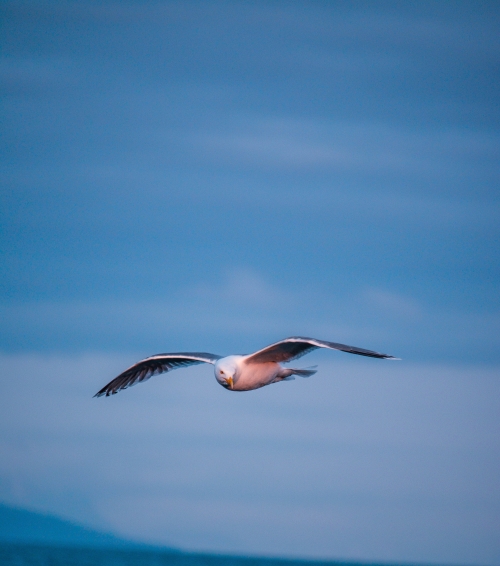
x=236, y=373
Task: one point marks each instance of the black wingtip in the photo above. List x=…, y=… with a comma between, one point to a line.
x=101, y=393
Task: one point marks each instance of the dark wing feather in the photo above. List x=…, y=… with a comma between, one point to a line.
x=297, y=346
x=161, y=363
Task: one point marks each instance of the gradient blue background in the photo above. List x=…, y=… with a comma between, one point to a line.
x=219, y=175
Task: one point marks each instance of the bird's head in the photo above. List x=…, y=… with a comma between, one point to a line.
x=225, y=371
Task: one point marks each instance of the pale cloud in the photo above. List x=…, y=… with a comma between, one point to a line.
x=244, y=287
x=394, y=303
x=301, y=144
x=345, y=146
x=30, y=75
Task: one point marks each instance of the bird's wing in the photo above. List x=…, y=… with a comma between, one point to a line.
x=155, y=364
x=297, y=346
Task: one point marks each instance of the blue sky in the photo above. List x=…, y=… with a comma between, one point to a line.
x=219, y=175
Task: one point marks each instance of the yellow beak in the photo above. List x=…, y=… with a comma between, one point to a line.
x=229, y=381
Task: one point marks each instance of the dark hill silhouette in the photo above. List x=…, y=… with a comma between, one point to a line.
x=22, y=526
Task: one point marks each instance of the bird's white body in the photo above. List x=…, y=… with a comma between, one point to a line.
x=235, y=373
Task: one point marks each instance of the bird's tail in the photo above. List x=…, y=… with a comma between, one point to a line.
x=307, y=372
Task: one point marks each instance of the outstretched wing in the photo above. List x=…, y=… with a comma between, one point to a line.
x=297, y=346
x=160, y=363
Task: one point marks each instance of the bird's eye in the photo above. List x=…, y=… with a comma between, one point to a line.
x=221, y=372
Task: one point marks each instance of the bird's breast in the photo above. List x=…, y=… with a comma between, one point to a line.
x=252, y=376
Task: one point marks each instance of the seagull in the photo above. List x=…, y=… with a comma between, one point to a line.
x=237, y=373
